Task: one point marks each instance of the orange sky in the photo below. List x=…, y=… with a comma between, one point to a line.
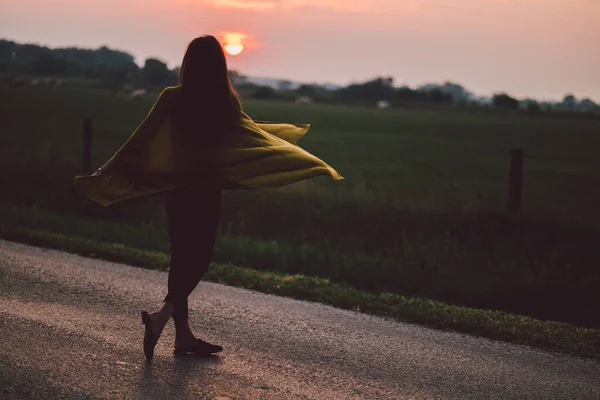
x=540, y=48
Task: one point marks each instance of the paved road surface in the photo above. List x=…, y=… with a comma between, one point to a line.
x=69, y=328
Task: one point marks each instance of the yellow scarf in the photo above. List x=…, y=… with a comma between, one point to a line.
x=253, y=154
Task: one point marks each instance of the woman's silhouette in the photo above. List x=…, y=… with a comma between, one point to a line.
x=195, y=142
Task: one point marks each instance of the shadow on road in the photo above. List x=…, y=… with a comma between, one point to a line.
x=180, y=377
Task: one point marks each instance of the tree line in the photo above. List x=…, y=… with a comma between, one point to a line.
x=382, y=89
x=117, y=68
x=104, y=64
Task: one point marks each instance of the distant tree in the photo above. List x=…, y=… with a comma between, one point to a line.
x=237, y=78
x=6, y=49
x=458, y=92
x=284, y=85
x=306, y=90
x=372, y=91
x=264, y=92
x=589, y=105
x=438, y=96
x=175, y=72
x=451, y=92
x=48, y=64
x=102, y=63
x=7, y=55
x=533, y=107
x=569, y=102
x=156, y=72
x=407, y=94
x=505, y=101
x=547, y=107
x=442, y=93
x=117, y=76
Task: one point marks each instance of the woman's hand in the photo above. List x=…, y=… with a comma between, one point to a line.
x=106, y=168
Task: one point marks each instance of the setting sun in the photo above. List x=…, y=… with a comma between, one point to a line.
x=232, y=42
x=233, y=48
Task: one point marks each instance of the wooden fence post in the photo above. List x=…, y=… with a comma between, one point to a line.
x=86, y=158
x=515, y=182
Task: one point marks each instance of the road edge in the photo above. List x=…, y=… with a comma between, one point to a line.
x=497, y=325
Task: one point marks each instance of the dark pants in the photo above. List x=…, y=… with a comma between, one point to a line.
x=193, y=218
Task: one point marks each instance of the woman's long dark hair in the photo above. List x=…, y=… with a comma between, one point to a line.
x=209, y=99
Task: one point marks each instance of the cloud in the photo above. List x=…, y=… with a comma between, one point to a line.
x=258, y=5
x=283, y=5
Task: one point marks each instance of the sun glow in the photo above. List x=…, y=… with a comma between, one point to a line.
x=232, y=42
x=233, y=49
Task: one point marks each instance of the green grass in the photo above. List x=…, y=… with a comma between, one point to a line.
x=421, y=212
x=428, y=159
x=497, y=325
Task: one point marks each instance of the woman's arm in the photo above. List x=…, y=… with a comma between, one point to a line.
x=156, y=117
x=144, y=132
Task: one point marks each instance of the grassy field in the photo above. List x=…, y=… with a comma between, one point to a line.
x=421, y=212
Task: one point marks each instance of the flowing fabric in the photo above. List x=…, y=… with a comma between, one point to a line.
x=250, y=155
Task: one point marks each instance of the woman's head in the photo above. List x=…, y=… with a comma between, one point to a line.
x=204, y=78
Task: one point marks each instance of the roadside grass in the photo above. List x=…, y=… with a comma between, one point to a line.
x=498, y=325
x=479, y=260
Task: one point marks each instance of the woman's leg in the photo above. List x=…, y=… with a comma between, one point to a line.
x=193, y=220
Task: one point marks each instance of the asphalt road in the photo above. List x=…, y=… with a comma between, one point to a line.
x=70, y=328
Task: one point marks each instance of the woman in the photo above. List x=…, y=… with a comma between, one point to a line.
x=195, y=142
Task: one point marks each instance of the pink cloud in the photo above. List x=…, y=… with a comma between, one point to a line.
x=256, y=5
